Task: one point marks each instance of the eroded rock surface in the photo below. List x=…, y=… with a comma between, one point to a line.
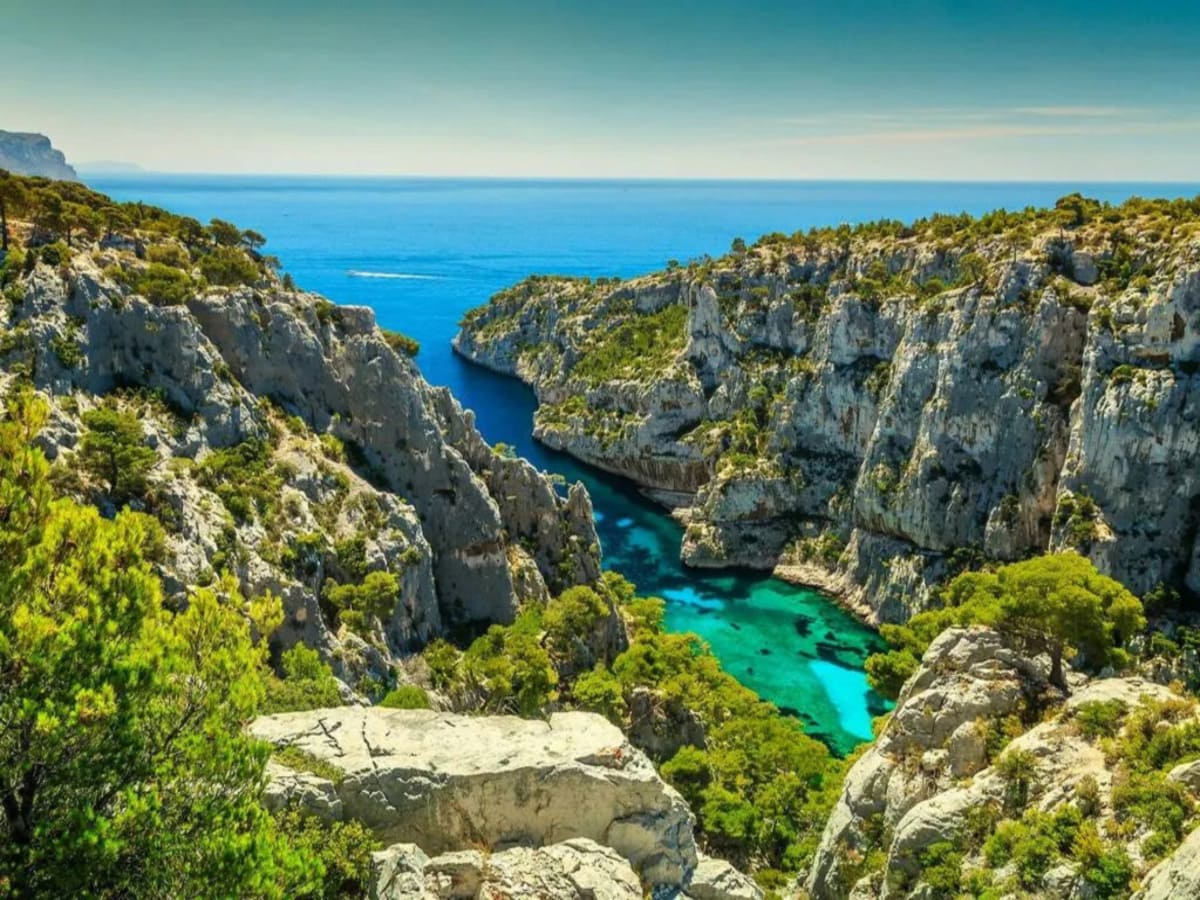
x=864, y=411
x=1176, y=877
x=354, y=446
x=448, y=783
x=937, y=767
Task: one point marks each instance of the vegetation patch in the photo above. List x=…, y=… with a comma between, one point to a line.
x=637, y=350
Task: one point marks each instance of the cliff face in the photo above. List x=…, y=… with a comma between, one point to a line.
x=32, y=154
x=868, y=411
x=981, y=761
x=296, y=448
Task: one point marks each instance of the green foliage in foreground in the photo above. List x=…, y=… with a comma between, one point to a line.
x=406, y=696
x=124, y=767
x=761, y=787
x=1056, y=604
x=307, y=683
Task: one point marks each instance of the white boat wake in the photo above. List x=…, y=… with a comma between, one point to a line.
x=404, y=276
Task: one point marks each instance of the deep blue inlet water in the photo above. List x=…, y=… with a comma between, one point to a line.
x=423, y=251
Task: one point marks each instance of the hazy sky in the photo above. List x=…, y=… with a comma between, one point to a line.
x=851, y=89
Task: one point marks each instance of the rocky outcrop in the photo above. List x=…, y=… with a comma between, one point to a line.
x=918, y=401
x=24, y=153
x=1176, y=876
x=578, y=869
x=715, y=879
x=935, y=769
x=932, y=740
x=363, y=465
x=449, y=783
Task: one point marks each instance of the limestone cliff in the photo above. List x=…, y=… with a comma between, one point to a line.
x=870, y=409
x=294, y=447
x=981, y=760
x=32, y=154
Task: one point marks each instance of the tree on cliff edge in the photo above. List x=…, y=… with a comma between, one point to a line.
x=1057, y=604
x=12, y=200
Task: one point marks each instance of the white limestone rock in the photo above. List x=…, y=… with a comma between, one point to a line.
x=907, y=428
x=715, y=879
x=1176, y=877
x=448, y=782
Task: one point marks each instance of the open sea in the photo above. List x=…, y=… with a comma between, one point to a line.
x=423, y=251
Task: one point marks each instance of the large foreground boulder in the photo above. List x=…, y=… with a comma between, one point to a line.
x=448, y=782
x=578, y=869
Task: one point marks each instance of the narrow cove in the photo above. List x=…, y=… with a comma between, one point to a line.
x=421, y=252
x=793, y=646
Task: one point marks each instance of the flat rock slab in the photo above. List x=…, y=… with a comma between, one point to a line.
x=447, y=782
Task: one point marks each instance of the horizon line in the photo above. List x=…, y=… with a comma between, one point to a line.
x=682, y=179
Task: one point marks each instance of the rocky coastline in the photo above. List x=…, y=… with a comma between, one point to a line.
x=872, y=410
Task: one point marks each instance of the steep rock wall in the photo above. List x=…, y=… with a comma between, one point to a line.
x=840, y=411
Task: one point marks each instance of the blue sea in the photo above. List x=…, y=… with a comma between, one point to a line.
x=423, y=251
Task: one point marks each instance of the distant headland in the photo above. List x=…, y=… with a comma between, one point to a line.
x=26, y=153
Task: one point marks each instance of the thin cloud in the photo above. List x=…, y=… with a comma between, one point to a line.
x=988, y=132
x=1079, y=112
x=999, y=115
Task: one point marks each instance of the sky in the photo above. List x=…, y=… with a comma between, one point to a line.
x=857, y=89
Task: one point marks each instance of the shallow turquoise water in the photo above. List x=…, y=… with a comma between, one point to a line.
x=423, y=251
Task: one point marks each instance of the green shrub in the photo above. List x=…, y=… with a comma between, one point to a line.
x=1100, y=718
x=55, y=254
x=325, y=310
x=243, y=477
x=1018, y=769
x=512, y=670
x=887, y=672
x=337, y=856
x=599, y=691
x=307, y=683
x=67, y=349
x=443, y=661
x=1153, y=802
x=941, y=869
x=1024, y=843
x=374, y=597
x=113, y=451
x=637, y=350
x=401, y=343
x=406, y=696
x=164, y=285
x=228, y=266
x=572, y=617
x=169, y=255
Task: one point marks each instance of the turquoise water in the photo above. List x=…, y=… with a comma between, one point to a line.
x=423, y=251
